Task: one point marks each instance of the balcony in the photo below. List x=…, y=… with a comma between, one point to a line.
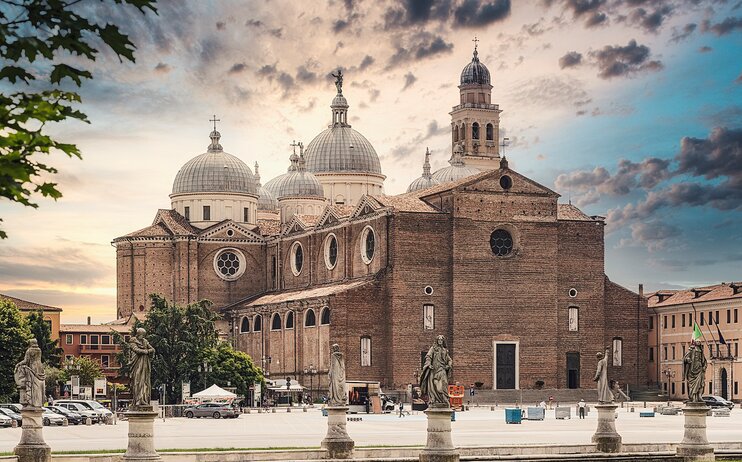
x=104, y=349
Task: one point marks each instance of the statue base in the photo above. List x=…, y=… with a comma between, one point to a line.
x=337, y=442
x=141, y=434
x=606, y=438
x=32, y=447
x=695, y=445
x=439, y=446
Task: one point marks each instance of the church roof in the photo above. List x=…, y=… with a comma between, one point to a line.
x=167, y=222
x=25, y=305
x=315, y=292
x=570, y=212
x=269, y=227
x=723, y=291
x=408, y=202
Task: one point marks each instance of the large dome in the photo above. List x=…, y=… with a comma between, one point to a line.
x=456, y=171
x=475, y=72
x=342, y=149
x=215, y=171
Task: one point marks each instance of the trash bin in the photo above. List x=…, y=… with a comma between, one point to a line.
x=453, y=416
x=535, y=413
x=513, y=415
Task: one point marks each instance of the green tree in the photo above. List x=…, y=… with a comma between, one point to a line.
x=51, y=353
x=233, y=368
x=84, y=367
x=182, y=336
x=44, y=44
x=54, y=377
x=14, y=336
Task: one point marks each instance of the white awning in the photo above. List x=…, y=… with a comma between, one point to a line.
x=214, y=391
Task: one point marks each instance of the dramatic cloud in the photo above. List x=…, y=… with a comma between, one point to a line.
x=552, y=91
x=458, y=13
x=237, y=68
x=162, y=68
x=654, y=235
x=368, y=60
x=305, y=75
x=571, y=59
x=271, y=73
x=421, y=46
x=650, y=21
x=622, y=61
x=722, y=28
x=678, y=35
x=409, y=80
x=475, y=13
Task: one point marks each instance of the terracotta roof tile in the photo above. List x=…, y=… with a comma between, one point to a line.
x=176, y=222
x=721, y=291
x=570, y=212
x=269, y=227
x=342, y=211
x=25, y=305
x=308, y=220
x=95, y=328
x=408, y=202
x=155, y=230
x=315, y=292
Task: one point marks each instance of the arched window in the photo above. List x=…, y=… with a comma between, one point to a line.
x=257, y=324
x=297, y=258
x=475, y=131
x=455, y=130
x=618, y=351
x=368, y=244
x=574, y=319
x=290, y=320
x=462, y=132
x=365, y=351
x=276, y=322
x=310, y=319
x=325, y=317
x=490, y=132
x=245, y=325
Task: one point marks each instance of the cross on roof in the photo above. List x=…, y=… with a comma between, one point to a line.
x=215, y=120
x=503, y=144
x=294, y=144
x=475, y=42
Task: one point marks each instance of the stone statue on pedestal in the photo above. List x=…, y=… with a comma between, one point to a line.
x=601, y=377
x=337, y=390
x=30, y=376
x=141, y=369
x=436, y=373
x=694, y=372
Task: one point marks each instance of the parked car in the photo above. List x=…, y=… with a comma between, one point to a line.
x=5, y=421
x=80, y=409
x=215, y=410
x=72, y=417
x=52, y=418
x=12, y=414
x=717, y=401
x=15, y=407
x=101, y=411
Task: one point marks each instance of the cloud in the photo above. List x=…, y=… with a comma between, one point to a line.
x=705, y=49
x=340, y=25
x=162, y=68
x=476, y=13
x=554, y=91
x=596, y=19
x=61, y=265
x=456, y=13
x=367, y=61
x=271, y=73
x=739, y=78
x=409, y=80
x=651, y=22
x=421, y=46
x=623, y=61
x=305, y=75
x=654, y=235
x=571, y=59
x=237, y=68
x=678, y=35
x=221, y=25
x=722, y=28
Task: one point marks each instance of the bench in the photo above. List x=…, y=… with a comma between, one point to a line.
x=646, y=414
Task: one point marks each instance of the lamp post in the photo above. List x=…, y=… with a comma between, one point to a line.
x=266, y=360
x=205, y=368
x=670, y=374
x=311, y=371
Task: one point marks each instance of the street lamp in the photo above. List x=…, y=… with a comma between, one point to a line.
x=205, y=368
x=670, y=374
x=311, y=371
x=266, y=360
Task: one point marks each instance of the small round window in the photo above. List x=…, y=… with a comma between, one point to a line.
x=331, y=251
x=506, y=182
x=573, y=292
x=501, y=242
x=368, y=244
x=229, y=264
x=297, y=258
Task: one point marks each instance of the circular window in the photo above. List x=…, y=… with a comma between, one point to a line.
x=331, y=251
x=573, y=292
x=501, y=242
x=230, y=233
x=229, y=264
x=428, y=290
x=297, y=258
x=506, y=182
x=368, y=243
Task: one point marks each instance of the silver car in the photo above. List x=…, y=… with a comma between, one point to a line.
x=5, y=421
x=215, y=410
x=80, y=409
x=52, y=418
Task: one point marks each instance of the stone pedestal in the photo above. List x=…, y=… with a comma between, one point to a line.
x=606, y=437
x=141, y=435
x=439, y=446
x=32, y=447
x=337, y=442
x=695, y=445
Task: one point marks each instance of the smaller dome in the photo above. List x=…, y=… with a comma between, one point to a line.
x=266, y=200
x=457, y=170
x=475, y=72
x=339, y=101
x=426, y=180
x=297, y=182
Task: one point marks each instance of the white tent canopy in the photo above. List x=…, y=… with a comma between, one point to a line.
x=214, y=392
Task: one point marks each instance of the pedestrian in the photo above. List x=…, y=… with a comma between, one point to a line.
x=401, y=409
x=581, y=407
x=542, y=404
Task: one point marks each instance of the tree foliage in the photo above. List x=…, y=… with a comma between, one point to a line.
x=53, y=379
x=232, y=368
x=51, y=353
x=14, y=336
x=43, y=45
x=87, y=369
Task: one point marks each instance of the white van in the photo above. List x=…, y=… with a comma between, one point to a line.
x=100, y=410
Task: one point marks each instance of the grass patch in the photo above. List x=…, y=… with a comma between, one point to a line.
x=121, y=451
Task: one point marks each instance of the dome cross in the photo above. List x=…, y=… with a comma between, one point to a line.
x=215, y=120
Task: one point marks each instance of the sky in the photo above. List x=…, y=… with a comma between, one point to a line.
x=630, y=109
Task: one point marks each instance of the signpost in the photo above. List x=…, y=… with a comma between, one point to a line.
x=99, y=387
x=75, y=379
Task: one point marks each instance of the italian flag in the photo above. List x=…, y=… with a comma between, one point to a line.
x=696, y=332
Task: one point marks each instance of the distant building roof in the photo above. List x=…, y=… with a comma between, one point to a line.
x=723, y=291
x=25, y=305
x=94, y=328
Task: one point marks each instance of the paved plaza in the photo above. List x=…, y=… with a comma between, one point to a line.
x=477, y=427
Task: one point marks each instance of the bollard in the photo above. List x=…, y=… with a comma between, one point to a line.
x=288, y=409
x=645, y=404
x=65, y=423
x=305, y=409
x=88, y=421
x=14, y=424
x=632, y=408
x=273, y=410
x=492, y=408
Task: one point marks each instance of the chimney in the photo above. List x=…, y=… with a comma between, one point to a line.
x=88, y=320
x=641, y=290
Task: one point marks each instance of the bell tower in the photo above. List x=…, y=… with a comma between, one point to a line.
x=475, y=121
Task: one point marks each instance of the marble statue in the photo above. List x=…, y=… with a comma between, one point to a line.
x=694, y=372
x=30, y=376
x=436, y=373
x=337, y=391
x=601, y=376
x=339, y=81
x=141, y=369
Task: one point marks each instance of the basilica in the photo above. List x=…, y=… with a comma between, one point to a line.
x=475, y=251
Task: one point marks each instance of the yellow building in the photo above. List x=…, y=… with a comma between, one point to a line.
x=51, y=313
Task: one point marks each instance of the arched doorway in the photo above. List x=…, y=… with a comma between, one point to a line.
x=724, y=383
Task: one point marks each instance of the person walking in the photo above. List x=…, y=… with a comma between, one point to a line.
x=581, y=406
x=401, y=409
